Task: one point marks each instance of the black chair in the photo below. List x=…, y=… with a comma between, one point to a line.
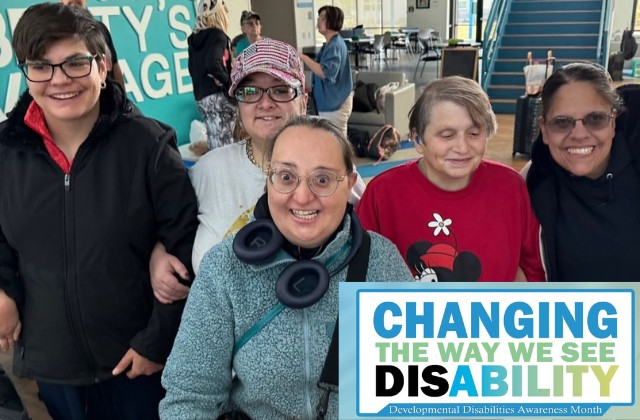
x=429, y=53
x=374, y=50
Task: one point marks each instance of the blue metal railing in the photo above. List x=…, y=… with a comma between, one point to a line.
x=493, y=32
x=602, y=52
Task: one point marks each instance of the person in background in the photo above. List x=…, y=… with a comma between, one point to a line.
x=210, y=69
x=277, y=369
x=268, y=82
x=93, y=185
x=584, y=178
x=453, y=215
x=113, y=68
x=332, y=82
x=251, y=28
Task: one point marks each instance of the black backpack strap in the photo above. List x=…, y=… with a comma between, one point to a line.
x=329, y=377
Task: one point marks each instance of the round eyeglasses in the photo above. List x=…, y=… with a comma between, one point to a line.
x=252, y=94
x=321, y=182
x=595, y=121
x=73, y=68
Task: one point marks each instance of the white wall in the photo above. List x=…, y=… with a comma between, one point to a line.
x=622, y=13
x=235, y=11
x=435, y=17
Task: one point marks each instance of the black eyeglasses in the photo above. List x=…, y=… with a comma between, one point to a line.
x=74, y=68
x=593, y=122
x=252, y=94
x=321, y=182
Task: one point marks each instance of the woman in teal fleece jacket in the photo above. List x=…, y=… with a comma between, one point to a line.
x=275, y=373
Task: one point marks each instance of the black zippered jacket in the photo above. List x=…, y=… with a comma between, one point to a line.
x=209, y=58
x=75, y=248
x=593, y=205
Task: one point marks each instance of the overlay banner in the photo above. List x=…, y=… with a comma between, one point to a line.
x=443, y=350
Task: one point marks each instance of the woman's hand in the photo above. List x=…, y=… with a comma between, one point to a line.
x=136, y=364
x=10, y=325
x=164, y=268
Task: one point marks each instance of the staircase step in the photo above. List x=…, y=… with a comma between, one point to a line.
x=507, y=107
x=560, y=52
x=582, y=40
x=507, y=65
x=520, y=6
x=555, y=16
x=508, y=78
x=567, y=28
x=506, y=93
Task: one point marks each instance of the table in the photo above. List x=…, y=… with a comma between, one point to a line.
x=357, y=43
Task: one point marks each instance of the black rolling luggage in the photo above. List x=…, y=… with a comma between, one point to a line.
x=529, y=106
x=616, y=66
x=526, y=128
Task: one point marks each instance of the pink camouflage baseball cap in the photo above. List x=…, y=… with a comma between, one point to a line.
x=270, y=56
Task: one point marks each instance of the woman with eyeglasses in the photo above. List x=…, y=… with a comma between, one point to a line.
x=87, y=186
x=584, y=179
x=265, y=302
x=268, y=83
x=455, y=216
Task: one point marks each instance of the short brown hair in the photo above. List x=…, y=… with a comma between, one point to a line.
x=459, y=90
x=44, y=24
x=334, y=17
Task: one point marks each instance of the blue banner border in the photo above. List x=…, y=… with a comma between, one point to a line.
x=545, y=289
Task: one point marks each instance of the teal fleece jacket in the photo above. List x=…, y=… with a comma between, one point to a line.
x=277, y=370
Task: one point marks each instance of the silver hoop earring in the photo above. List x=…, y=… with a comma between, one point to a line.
x=103, y=85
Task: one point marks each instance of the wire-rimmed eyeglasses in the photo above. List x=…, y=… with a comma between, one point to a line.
x=73, y=68
x=321, y=182
x=593, y=122
x=252, y=94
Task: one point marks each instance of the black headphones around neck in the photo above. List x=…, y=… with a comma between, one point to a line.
x=302, y=283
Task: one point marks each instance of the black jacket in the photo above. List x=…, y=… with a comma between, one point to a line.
x=74, y=249
x=603, y=233
x=209, y=58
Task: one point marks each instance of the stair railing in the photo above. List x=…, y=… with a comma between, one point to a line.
x=602, y=53
x=493, y=32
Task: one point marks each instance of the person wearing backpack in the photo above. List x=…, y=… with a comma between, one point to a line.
x=453, y=215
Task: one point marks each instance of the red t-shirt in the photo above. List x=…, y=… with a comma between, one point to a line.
x=481, y=233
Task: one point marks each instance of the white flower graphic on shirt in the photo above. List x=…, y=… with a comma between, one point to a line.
x=440, y=225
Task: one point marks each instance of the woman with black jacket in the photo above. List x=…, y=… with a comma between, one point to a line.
x=87, y=187
x=210, y=69
x=584, y=178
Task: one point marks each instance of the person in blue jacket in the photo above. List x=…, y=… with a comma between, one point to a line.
x=332, y=81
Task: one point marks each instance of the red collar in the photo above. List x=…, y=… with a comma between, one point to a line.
x=34, y=119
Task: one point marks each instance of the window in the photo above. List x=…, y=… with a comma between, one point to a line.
x=377, y=16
